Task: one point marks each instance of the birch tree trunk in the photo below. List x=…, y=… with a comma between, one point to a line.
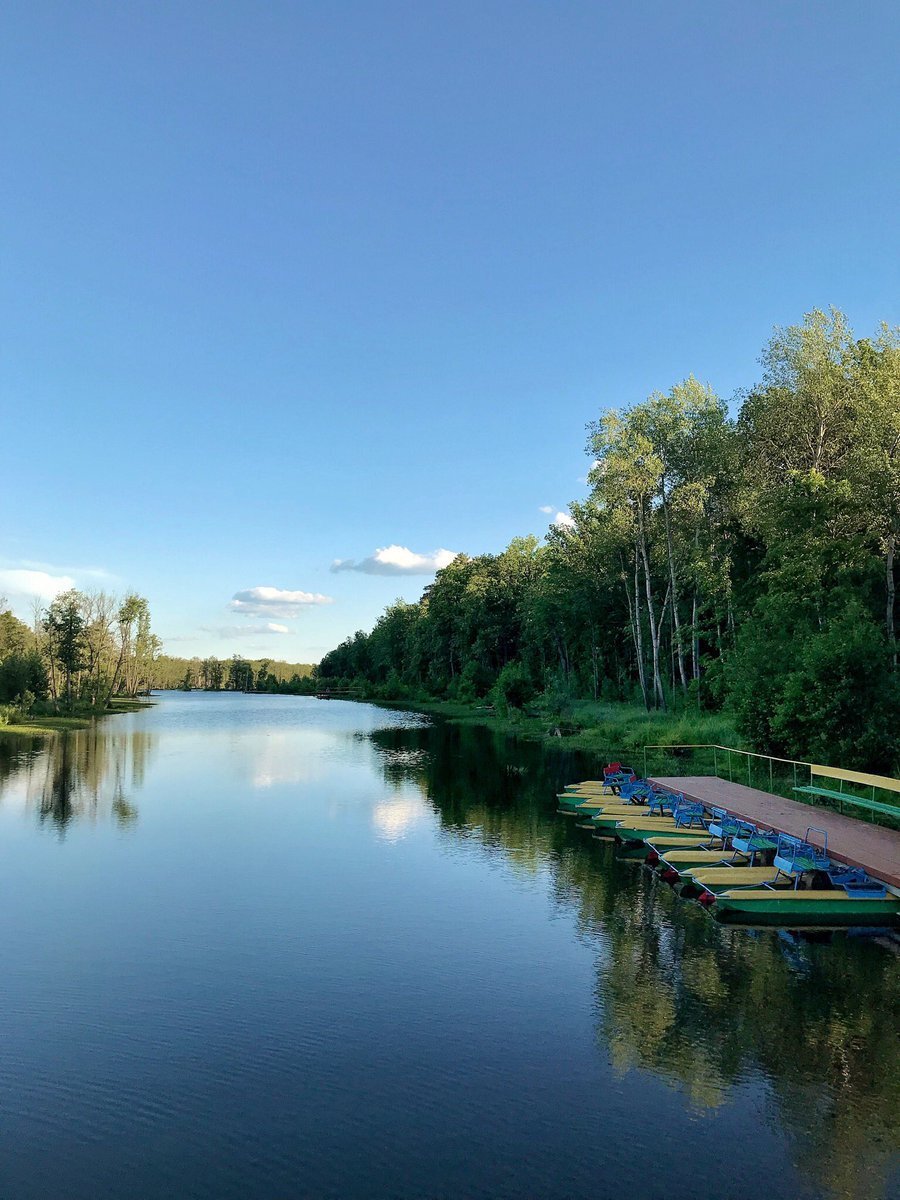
x=891, y=598
x=634, y=614
x=658, y=692
x=676, y=620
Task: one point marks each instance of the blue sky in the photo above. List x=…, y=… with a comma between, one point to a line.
x=293, y=283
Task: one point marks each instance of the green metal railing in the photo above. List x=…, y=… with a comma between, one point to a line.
x=768, y=772
x=778, y=775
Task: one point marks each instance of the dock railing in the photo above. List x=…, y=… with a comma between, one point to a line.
x=769, y=773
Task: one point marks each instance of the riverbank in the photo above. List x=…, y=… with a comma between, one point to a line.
x=45, y=725
x=604, y=728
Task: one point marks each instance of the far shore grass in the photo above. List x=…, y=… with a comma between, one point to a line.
x=41, y=726
x=604, y=728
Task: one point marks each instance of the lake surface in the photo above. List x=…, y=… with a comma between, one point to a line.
x=262, y=946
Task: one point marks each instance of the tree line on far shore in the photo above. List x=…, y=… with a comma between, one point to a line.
x=85, y=648
x=744, y=562
x=233, y=674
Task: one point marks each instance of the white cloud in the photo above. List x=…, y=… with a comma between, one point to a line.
x=95, y=574
x=25, y=585
x=25, y=581
x=546, y=508
x=397, y=560
x=564, y=520
x=233, y=631
x=275, y=602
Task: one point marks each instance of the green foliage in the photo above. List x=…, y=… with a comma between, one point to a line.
x=820, y=690
x=842, y=701
x=556, y=701
x=471, y=684
x=21, y=674
x=15, y=636
x=513, y=689
x=65, y=627
x=717, y=564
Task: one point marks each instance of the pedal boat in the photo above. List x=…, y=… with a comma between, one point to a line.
x=638, y=830
x=790, y=907
x=724, y=879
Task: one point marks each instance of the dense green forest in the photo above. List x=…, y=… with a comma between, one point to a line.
x=727, y=557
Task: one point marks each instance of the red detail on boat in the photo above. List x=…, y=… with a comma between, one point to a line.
x=653, y=858
x=670, y=875
x=707, y=899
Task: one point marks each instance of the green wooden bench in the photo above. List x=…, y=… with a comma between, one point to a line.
x=873, y=806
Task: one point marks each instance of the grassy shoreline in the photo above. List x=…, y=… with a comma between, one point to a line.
x=44, y=726
x=603, y=728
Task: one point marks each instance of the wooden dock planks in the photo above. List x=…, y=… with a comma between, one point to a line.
x=858, y=843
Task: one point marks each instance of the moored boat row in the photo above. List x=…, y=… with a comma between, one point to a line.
x=737, y=870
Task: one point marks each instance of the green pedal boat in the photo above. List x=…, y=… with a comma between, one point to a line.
x=631, y=830
x=690, y=858
x=724, y=879
x=804, y=906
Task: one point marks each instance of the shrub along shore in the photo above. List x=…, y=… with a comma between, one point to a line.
x=607, y=729
x=51, y=723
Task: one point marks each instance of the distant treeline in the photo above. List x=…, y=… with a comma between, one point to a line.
x=82, y=650
x=232, y=674
x=87, y=647
x=744, y=561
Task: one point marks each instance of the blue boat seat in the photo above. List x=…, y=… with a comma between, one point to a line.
x=796, y=856
x=660, y=801
x=748, y=839
x=638, y=790
x=857, y=882
x=723, y=825
x=689, y=813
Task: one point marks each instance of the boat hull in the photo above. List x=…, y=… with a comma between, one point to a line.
x=791, y=907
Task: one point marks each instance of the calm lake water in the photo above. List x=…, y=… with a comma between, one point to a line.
x=262, y=946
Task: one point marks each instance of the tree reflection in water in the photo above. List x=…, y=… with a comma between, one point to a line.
x=703, y=1006
x=90, y=773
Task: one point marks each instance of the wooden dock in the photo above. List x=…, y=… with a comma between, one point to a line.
x=857, y=843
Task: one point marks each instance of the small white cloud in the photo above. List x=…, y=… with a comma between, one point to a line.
x=546, y=508
x=240, y=631
x=397, y=560
x=25, y=585
x=96, y=575
x=564, y=520
x=275, y=602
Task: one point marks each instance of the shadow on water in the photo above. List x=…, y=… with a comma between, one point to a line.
x=815, y=1019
